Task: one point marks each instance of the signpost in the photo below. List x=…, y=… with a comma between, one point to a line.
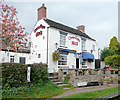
x=28, y=75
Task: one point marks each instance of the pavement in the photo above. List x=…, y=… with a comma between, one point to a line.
x=84, y=89
x=109, y=96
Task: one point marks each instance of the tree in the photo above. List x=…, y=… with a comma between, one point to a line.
x=113, y=60
x=12, y=32
x=106, y=52
x=114, y=44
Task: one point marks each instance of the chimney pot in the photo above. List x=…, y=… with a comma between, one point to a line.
x=43, y=4
x=42, y=12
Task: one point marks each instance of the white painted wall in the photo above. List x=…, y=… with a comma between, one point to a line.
x=5, y=58
x=38, y=44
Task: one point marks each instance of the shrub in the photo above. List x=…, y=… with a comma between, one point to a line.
x=39, y=74
x=112, y=60
x=13, y=75
x=14, y=90
x=67, y=77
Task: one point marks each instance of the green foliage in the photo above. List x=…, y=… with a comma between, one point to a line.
x=35, y=91
x=92, y=94
x=67, y=77
x=13, y=75
x=106, y=52
x=112, y=60
x=39, y=73
x=14, y=90
x=114, y=44
x=55, y=56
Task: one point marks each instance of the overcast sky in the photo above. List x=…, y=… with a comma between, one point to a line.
x=100, y=18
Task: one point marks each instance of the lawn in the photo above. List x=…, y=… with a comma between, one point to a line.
x=46, y=91
x=93, y=94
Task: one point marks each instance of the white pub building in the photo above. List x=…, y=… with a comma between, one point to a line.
x=76, y=48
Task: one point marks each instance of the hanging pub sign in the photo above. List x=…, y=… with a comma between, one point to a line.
x=73, y=37
x=41, y=26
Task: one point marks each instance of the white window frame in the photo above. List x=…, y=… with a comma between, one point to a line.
x=83, y=44
x=62, y=40
x=93, y=47
x=12, y=59
x=62, y=60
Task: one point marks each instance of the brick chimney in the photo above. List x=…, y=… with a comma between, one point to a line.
x=81, y=28
x=42, y=12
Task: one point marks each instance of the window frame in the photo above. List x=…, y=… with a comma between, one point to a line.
x=39, y=55
x=62, y=40
x=12, y=59
x=62, y=60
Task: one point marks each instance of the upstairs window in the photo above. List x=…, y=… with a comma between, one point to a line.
x=63, y=39
x=83, y=47
x=93, y=47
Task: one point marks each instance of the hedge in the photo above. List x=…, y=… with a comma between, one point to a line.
x=15, y=74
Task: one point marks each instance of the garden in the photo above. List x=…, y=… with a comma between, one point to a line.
x=14, y=82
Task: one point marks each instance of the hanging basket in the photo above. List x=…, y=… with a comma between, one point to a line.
x=55, y=55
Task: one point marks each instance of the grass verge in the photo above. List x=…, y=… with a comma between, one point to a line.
x=46, y=91
x=93, y=94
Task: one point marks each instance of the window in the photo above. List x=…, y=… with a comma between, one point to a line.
x=62, y=60
x=22, y=60
x=93, y=47
x=62, y=40
x=83, y=45
x=12, y=59
x=39, y=55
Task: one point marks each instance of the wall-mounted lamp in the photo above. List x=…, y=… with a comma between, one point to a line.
x=56, y=45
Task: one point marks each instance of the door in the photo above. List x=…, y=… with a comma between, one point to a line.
x=97, y=63
x=77, y=62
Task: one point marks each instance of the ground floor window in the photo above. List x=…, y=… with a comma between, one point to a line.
x=22, y=60
x=12, y=59
x=62, y=60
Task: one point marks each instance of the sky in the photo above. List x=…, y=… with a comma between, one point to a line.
x=99, y=18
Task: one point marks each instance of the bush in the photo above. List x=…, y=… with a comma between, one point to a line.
x=14, y=90
x=15, y=75
x=39, y=74
x=112, y=60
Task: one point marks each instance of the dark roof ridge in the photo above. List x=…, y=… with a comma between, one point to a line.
x=66, y=28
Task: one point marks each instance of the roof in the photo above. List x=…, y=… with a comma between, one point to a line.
x=66, y=28
x=4, y=48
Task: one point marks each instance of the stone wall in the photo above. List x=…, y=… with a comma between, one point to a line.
x=80, y=76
